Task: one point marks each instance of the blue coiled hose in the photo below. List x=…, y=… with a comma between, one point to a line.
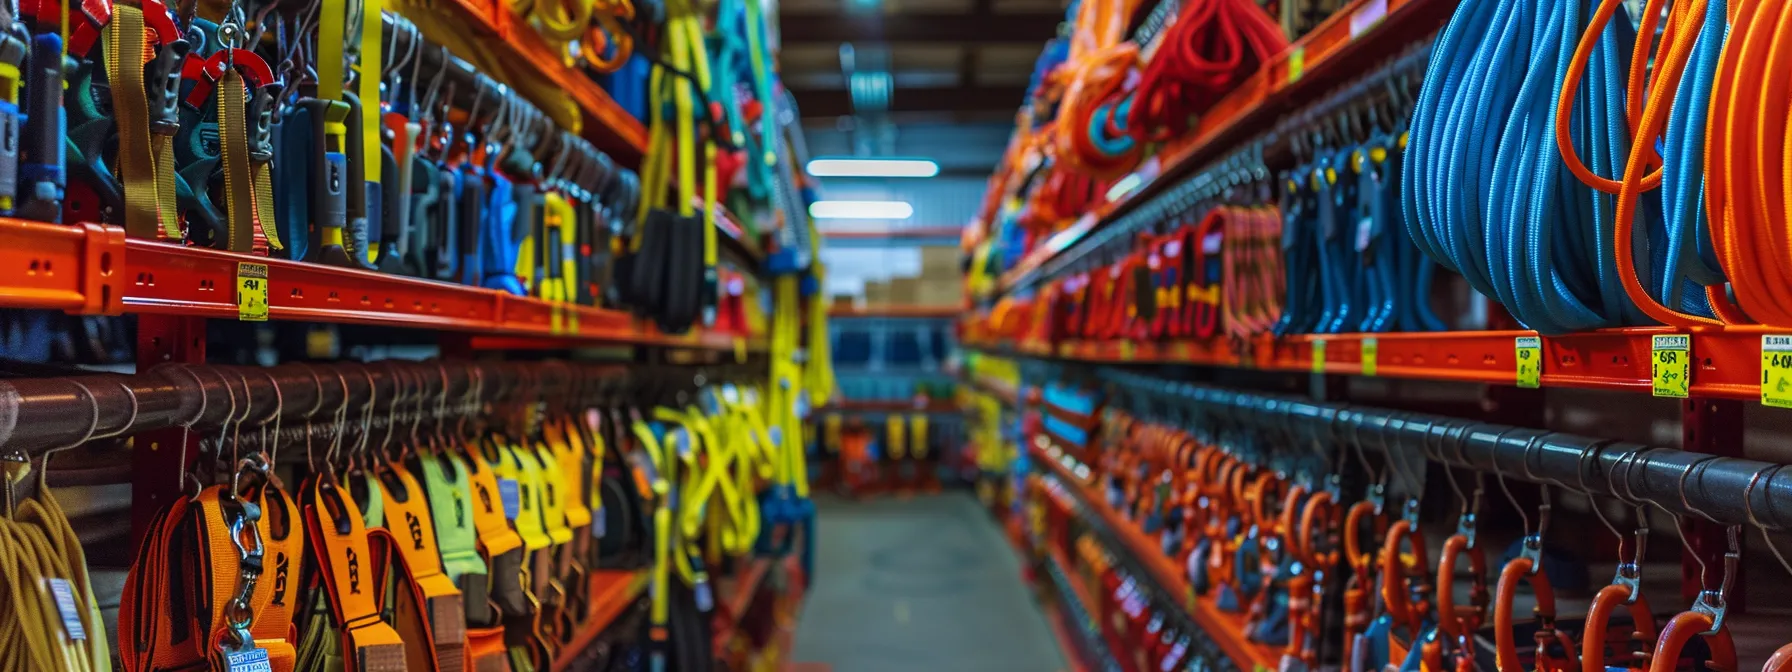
x=1485, y=193
x=1690, y=254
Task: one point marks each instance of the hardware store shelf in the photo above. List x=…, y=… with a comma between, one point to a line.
x=1353, y=39
x=611, y=593
x=1226, y=630
x=1726, y=362
x=604, y=122
x=918, y=312
x=93, y=269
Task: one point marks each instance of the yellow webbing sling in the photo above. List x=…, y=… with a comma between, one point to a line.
x=145, y=159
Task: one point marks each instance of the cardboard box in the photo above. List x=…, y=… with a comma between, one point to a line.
x=844, y=302
x=942, y=293
x=905, y=291
x=938, y=261
x=877, y=293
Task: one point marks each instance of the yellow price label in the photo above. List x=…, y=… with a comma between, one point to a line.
x=1670, y=365
x=1128, y=351
x=1319, y=356
x=1065, y=348
x=1297, y=64
x=555, y=324
x=740, y=350
x=1776, y=371
x=1530, y=361
x=251, y=291
x=1371, y=350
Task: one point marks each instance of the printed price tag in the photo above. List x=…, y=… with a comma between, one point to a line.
x=1297, y=64
x=1319, y=356
x=1670, y=365
x=1128, y=351
x=1371, y=350
x=251, y=291
x=1776, y=371
x=740, y=350
x=65, y=607
x=251, y=660
x=1530, y=361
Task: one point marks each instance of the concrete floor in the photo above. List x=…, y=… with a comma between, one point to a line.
x=921, y=584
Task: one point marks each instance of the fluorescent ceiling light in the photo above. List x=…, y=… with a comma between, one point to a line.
x=860, y=210
x=873, y=168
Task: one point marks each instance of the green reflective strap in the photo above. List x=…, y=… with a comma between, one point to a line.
x=373, y=513
x=456, y=535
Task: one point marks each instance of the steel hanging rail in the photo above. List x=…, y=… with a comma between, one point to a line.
x=36, y=413
x=1679, y=482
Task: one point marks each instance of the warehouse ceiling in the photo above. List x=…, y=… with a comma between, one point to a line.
x=935, y=59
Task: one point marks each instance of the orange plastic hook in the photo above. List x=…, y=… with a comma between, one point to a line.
x=1358, y=604
x=1781, y=660
x=1689, y=624
x=1526, y=568
x=1643, y=634
x=1458, y=620
x=1400, y=580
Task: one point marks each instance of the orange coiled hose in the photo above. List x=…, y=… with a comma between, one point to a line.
x=1746, y=160
x=1648, y=115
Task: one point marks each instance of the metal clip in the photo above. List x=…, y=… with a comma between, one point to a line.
x=261, y=118
x=162, y=81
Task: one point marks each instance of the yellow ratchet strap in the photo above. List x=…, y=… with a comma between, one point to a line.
x=239, y=184
x=145, y=160
x=435, y=598
x=918, y=435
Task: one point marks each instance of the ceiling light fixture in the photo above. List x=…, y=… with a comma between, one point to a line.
x=873, y=168
x=861, y=210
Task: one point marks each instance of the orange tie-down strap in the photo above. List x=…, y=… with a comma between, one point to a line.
x=350, y=578
x=186, y=572
x=162, y=639
x=283, y=553
x=438, y=629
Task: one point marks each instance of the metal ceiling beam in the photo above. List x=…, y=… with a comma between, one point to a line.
x=952, y=99
x=1033, y=28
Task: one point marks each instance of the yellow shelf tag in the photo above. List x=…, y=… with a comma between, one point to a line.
x=1319, y=356
x=1371, y=350
x=1776, y=371
x=740, y=350
x=1297, y=64
x=251, y=291
x=1670, y=365
x=1128, y=351
x=1530, y=361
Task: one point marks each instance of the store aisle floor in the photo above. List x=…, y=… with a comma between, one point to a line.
x=921, y=584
